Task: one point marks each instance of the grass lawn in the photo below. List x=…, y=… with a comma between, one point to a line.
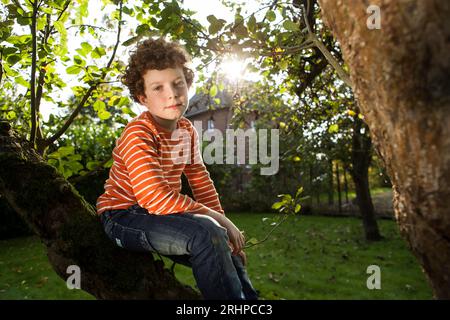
x=307, y=257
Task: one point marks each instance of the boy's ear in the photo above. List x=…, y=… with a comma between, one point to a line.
x=142, y=99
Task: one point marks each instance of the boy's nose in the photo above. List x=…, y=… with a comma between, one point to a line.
x=173, y=92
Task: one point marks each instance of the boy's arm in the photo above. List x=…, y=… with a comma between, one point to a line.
x=204, y=192
x=137, y=149
x=199, y=179
x=235, y=236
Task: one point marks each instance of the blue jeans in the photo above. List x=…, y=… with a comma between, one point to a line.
x=193, y=240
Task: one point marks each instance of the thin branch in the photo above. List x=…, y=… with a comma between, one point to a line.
x=69, y=121
x=1, y=66
x=66, y=5
x=42, y=69
x=91, y=89
x=119, y=29
x=331, y=60
x=106, y=82
x=16, y=2
x=268, y=234
x=33, y=76
x=90, y=26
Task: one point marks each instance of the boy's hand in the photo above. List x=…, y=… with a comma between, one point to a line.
x=243, y=257
x=236, y=237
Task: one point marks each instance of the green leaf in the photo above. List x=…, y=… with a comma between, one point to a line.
x=83, y=11
x=143, y=30
x=13, y=59
x=91, y=165
x=74, y=69
x=123, y=101
x=22, y=81
x=240, y=30
x=59, y=26
x=297, y=208
x=11, y=115
x=283, y=64
x=85, y=49
x=65, y=151
x=9, y=50
x=99, y=105
x=299, y=191
x=271, y=16
x=215, y=24
x=98, y=52
x=251, y=24
x=252, y=241
x=74, y=157
x=9, y=71
x=79, y=61
x=86, y=46
x=333, y=128
x=104, y=115
x=131, y=41
x=213, y=91
x=290, y=25
x=277, y=205
x=109, y=163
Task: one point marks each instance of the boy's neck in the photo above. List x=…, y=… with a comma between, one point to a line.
x=167, y=125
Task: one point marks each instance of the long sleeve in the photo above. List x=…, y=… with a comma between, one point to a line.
x=138, y=151
x=199, y=178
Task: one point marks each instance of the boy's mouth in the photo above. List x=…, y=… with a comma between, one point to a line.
x=175, y=106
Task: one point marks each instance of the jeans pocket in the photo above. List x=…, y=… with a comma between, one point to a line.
x=130, y=239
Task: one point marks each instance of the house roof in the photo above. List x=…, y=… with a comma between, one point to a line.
x=201, y=103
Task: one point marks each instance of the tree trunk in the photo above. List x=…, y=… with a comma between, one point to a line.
x=401, y=79
x=361, y=156
x=311, y=187
x=338, y=181
x=330, y=183
x=72, y=232
x=345, y=185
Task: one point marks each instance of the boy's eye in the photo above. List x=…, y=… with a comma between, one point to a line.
x=158, y=88
x=179, y=84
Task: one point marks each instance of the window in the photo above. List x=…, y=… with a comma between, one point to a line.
x=211, y=124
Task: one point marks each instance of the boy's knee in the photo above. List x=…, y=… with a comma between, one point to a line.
x=210, y=233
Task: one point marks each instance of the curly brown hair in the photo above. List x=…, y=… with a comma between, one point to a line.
x=155, y=54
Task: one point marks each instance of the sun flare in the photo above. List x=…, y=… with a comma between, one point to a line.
x=233, y=69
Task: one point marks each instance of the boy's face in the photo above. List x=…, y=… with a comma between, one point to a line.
x=166, y=95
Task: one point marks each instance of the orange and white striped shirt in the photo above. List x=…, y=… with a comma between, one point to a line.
x=147, y=170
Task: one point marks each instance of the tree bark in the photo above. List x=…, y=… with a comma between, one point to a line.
x=71, y=230
x=401, y=79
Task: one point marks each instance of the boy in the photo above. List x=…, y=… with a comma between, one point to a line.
x=142, y=208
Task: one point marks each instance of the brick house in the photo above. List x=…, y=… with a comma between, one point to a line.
x=219, y=116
